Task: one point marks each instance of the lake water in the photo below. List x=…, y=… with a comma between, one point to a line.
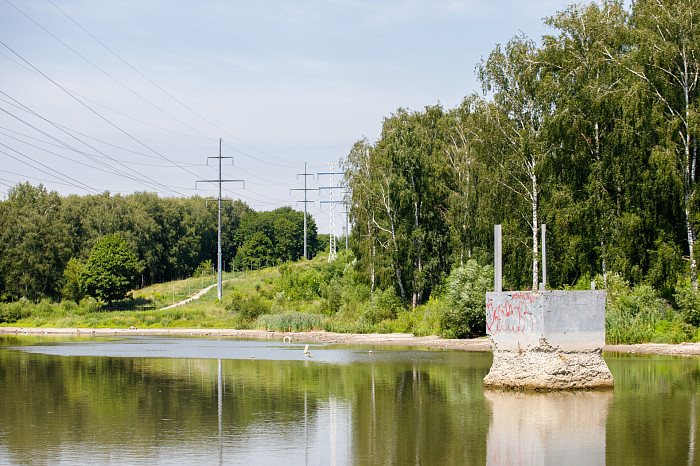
x=128, y=400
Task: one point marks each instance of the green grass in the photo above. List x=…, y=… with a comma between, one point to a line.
x=315, y=295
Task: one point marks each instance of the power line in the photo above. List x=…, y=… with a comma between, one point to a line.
x=106, y=120
x=43, y=180
x=153, y=83
x=115, y=171
x=218, y=257
x=79, y=184
x=100, y=69
x=305, y=189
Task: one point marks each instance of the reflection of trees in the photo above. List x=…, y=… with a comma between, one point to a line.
x=421, y=414
x=58, y=401
x=394, y=412
x=656, y=404
x=53, y=403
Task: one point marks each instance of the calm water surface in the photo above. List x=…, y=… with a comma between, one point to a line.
x=215, y=400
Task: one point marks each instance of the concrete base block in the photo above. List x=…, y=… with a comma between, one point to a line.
x=548, y=368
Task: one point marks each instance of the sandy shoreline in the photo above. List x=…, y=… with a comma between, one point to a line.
x=394, y=339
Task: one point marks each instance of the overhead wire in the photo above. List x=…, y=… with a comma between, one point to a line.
x=43, y=180
x=119, y=57
x=77, y=184
x=102, y=70
x=174, y=164
x=59, y=155
x=106, y=120
x=69, y=147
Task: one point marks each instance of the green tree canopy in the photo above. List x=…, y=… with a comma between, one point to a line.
x=111, y=270
x=274, y=235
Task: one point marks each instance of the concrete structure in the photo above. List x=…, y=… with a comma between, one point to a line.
x=547, y=339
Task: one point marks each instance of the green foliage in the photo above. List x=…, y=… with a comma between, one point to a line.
x=71, y=280
x=383, y=305
x=274, y=236
x=289, y=322
x=250, y=307
x=204, y=269
x=301, y=283
x=464, y=312
x=12, y=312
x=638, y=315
x=34, y=244
x=688, y=302
x=111, y=270
x=40, y=232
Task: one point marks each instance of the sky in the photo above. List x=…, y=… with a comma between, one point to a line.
x=126, y=95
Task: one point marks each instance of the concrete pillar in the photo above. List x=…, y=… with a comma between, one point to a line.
x=544, y=256
x=497, y=265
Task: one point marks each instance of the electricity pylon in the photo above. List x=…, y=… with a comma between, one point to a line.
x=219, y=180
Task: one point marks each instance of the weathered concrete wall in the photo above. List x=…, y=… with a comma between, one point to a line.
x=547, y=340
x=573, y=320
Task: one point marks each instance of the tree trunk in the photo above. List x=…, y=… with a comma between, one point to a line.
x=688, y=190
x=401, y=288
x=535, y=261
x=372, y=252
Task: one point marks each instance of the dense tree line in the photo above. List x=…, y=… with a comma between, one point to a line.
x=44, y=238
x=592, y=131
x=274, y=236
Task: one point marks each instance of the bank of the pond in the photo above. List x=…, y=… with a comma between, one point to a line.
x=393, y=339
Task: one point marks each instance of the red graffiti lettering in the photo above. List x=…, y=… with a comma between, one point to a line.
x=513, y=316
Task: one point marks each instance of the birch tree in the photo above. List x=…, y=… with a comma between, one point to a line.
x=587, y=122
x=666, y=59
x=518, y=113
x=357, y=167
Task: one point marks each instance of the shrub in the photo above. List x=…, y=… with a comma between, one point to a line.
x=688, y=302
x=89, y=304
x=464, y=311
x=383, y=305
x=12, y=312
x=249, y=307
x=634, y=315
x=204, y=269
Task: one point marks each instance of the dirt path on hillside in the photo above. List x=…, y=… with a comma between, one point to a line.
x=197, y=295
x=375, y=339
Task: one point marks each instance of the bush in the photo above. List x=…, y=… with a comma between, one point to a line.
x=633, y=315
x=12, y=312
x=249, y=307
x=89, y=304
x=300, y=284
x=464, y=311
x=383, y=305
x=204, y=269
x=688, y=302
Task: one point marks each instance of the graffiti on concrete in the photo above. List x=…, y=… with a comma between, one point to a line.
x=512, y=316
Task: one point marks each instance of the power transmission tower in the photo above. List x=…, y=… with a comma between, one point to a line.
x=347, y=227
x=331, y=189
x=305, y=189
x=219, y=180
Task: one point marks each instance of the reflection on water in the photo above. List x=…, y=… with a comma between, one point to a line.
x=547, y=428
x=78, y=400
